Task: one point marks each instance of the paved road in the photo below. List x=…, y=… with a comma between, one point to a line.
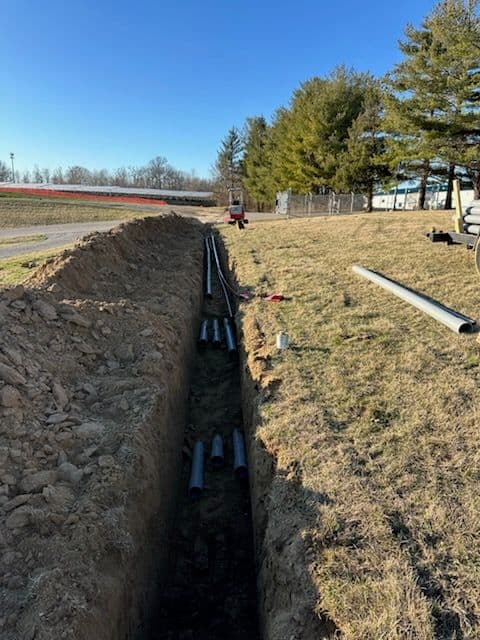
x=59, y=235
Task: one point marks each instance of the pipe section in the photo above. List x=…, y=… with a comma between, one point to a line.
x=450, y=318
x=239, y=456
x=221, y=277
x=216, y=333
x=473, y=229
x=217, y=457
x=208, y=282
x=195, y=486
x=473, y=208
x=229, y=338
x=203, y=334
x=472, y=218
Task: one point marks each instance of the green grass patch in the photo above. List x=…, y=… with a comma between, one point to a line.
x=19, y=268
x=22, y=239
x=30, y=211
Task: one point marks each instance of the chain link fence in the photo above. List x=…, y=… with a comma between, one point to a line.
x=291, y=204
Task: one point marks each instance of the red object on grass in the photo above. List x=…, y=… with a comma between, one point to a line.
x=75, y=195
x=274, y=297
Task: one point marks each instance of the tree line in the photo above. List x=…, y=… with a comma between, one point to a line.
x=351, y=131
x=157, y=174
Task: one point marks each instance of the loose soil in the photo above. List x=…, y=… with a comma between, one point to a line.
x=94, y=359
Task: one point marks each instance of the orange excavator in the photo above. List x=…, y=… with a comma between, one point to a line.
x=236, y=208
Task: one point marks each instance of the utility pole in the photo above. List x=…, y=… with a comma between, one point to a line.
x=12, y=157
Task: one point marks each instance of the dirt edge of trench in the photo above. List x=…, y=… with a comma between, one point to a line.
x=287, y=598
x=94, y=373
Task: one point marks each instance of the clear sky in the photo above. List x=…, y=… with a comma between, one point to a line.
x=106, y=84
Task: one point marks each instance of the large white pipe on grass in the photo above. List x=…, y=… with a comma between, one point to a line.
x=450, y=318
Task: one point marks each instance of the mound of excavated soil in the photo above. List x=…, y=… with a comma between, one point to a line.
x=93, y=378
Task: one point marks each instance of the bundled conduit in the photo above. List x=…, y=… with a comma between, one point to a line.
x=452, y=319
x=221, y=277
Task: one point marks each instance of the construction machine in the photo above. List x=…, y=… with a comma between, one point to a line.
x=236, y=208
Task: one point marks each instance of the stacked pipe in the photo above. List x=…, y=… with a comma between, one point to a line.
x=471, y=217
x=196, y=483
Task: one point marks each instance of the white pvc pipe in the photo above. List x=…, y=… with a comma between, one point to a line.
x=473, y=229
x=472, y=218
x=450, y=318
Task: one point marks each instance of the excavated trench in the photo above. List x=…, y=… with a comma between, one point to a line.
x=102, y=398
x=210, y=589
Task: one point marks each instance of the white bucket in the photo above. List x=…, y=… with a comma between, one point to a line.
x=282, y=340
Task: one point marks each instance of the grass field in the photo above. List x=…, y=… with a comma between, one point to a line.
x=18, y=210
x=24, y=211
x=375, y=406
x=22, y=239
x=17, y=269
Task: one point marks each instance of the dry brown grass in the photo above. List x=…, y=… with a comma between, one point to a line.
x=377, y=409
x=25, y=211
x=21, y=212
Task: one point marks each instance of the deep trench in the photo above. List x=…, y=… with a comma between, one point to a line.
x=209, y=592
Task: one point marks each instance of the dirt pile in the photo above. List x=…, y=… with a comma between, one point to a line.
x=93, y=365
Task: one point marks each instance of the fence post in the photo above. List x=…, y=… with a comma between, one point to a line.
x=458, y=206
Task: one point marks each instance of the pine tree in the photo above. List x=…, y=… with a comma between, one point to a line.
x=256, y=165
x=363, y=164
x=454, y=127
x=433, y=109
x=279, y=153
x=228, y=166
x=321, y=114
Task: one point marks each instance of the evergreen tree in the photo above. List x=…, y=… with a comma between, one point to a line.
x=363, y=164
x=279, y=153
x=228, y=166
x=433, y=110
x=256, y=165
x=322, y=112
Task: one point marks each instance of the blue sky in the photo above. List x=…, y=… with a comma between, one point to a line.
x=108, y=84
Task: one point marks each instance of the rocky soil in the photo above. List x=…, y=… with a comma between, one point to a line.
x=93, y=380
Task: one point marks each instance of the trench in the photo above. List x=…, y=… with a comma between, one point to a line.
x=209, y=592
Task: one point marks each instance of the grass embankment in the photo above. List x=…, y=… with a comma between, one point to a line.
x=19, y=268
x=376, y=411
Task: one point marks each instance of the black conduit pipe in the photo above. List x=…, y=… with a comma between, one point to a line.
x=221, y=277
x=203, y=334
x=216, y=334
x=230, y=338
x=208, y=283
x=239, y=456
x=217, y=457
x=195, y=486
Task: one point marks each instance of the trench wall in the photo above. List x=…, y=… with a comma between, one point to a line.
x=286, y=595
x=111, y=324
